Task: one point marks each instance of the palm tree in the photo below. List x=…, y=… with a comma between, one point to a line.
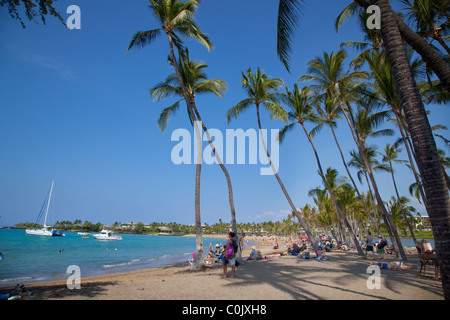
x=262, y=91
x=385, y=91
x=176, y=17
x=196, y=82
x=301, y=105
x=401, y=213
x=330, y=113
x=326, y=214
x=372, y=37
x=391, y=155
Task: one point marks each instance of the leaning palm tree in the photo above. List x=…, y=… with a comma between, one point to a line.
x=262, y=92
x=177, y=17
x=196, y=82
x=330, y=112
x=401, y=213
x=301, y=109
x=385, y=91
x=390, y=156
x=326, y=214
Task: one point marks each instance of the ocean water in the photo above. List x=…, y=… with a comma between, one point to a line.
x=28, y=258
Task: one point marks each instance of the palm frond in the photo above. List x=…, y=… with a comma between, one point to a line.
x=190, y=30
x=275, y=110
x=238, y=109
x=216, y=86
x=163, y=90
x=143, y=38
x=282, y=132
x=288, y=13
x=349, y=11
x=166, y=113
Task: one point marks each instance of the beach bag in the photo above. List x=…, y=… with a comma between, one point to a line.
x=234, y=244
x=382, y=244
x=229, y=252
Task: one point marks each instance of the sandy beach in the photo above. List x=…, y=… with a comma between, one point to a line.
x=343, y=277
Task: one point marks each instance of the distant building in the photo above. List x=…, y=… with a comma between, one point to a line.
x=165, y=230
x=423, y=223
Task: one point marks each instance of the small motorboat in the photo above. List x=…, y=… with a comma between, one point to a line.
x=106, y=235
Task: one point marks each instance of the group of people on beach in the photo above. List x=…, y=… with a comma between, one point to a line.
x=379, y=248
x=302, y=248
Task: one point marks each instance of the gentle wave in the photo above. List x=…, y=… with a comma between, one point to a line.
x=143, y=261
x=16, y=279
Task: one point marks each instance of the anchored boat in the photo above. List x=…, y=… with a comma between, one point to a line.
x=46, y=230
x=106, y=235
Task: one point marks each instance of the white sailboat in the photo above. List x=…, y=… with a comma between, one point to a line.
x=46, y=230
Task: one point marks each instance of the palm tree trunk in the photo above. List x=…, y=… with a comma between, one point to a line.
x=410, y=156
x=438, y=200
x=372, y=201
x=333, y=198
x=353, y=181
x=224, y=169
x=303, y=223
x=227, y=176
x=399, y=203
x=198, y=260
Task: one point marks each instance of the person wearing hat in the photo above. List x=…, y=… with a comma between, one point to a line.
x=253, y=254
x=218, y=250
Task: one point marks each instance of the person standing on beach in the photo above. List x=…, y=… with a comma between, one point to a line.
x=241, y=241
x=231, y=244
x=369, y=242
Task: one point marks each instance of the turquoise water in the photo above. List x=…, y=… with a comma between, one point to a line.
x=30, y=258
x=408, y=242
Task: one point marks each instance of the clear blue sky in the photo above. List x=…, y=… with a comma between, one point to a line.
x=76, y=110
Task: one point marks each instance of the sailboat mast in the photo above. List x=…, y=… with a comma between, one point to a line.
x=48, y=204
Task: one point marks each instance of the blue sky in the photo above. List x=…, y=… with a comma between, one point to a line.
x=75, y=109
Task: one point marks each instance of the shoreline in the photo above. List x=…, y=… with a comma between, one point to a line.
x=150, y=264
x=343, y=277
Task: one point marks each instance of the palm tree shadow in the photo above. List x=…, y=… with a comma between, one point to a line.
x=306, y=280
x=87, y=291
x=295, y=280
